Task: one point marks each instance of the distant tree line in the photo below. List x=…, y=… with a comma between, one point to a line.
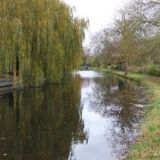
x=40, y=40
x=133, y=39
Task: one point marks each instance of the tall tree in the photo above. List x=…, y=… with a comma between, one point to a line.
x=40, y=40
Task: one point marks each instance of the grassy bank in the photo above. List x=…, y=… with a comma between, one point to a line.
x=147, y=146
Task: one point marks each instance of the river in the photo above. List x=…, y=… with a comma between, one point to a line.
x=94, y=116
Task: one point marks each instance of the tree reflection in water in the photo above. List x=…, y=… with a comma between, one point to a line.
x=42, y=123
x=46, y=123
x=121, y=102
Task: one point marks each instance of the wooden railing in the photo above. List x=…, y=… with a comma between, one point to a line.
x=5, y=83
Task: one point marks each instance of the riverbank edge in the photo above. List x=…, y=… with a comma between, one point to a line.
x=10, y=87
x=6, y=87
x=147, y=145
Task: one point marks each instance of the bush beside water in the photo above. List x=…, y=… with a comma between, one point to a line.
x=154, y=70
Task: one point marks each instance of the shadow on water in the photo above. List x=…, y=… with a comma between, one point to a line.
x=91, y=117
x=41, y=124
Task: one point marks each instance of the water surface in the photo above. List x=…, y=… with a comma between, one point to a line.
x=93, y=116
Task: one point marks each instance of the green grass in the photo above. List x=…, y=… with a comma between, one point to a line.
x=131, y=76
x=147, y=146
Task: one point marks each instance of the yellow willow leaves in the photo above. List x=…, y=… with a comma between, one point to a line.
x=40, y=39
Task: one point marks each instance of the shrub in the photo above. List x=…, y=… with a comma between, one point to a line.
x=154, y=70
x=114, y=67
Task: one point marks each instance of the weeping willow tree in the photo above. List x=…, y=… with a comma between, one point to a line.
x=40, y=40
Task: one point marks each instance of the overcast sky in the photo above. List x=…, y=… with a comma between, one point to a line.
x=99, y=12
